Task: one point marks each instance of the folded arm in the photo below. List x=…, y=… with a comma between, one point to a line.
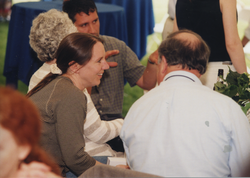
x=97, y=130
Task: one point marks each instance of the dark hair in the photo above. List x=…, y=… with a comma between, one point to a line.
x=74, y=48
x=190, y=54
x=20, y=116
x=73, y=7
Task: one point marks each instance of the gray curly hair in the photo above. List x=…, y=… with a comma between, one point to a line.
x=47, y=31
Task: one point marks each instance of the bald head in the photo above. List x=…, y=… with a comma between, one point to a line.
x=188, y=39
x=187, y=49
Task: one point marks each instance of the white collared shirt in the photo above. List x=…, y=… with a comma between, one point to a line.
x=182, y=128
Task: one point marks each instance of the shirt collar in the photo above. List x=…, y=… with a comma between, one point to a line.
x=187, y=75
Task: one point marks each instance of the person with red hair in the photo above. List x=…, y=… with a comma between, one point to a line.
x=20, y=128
x=20, y=153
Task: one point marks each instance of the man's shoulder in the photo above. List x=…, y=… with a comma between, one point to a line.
x=111, y=40
x=216, y=95
x=195, y=91
x=217, y=101
x=104, y=37
x=112, y=43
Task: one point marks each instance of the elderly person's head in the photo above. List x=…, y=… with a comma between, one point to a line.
x=20, y=128
x=47, y=31
x=187, y=49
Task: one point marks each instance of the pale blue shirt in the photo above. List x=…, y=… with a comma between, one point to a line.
x=182, y=128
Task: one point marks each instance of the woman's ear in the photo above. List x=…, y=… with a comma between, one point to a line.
x=23, y=151
x=74, y=67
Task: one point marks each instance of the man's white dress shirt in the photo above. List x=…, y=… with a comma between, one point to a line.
x=182, y=128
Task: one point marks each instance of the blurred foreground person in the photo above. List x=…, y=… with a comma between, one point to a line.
x=111, y=171
x=20, y=129
x=182, y=128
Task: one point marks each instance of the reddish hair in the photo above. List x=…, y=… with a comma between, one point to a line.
x=20, y=116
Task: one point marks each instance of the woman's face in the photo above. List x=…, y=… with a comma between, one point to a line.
x=92, y=72
x=11, y=154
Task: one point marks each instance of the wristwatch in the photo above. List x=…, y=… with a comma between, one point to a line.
x=150, y=62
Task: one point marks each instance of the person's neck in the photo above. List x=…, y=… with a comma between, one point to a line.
x=51, y=62
x=13, y=173
x=75, y=80
x=179, y=68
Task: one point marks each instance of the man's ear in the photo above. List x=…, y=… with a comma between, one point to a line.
x=162, y=70
x=163, y=66
x=23, y=151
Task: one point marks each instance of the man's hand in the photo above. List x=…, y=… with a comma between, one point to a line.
x=111, y=53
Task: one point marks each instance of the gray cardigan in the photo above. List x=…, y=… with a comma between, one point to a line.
x=63, y=109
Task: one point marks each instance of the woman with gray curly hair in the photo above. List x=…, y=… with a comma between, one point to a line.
x=47, y=31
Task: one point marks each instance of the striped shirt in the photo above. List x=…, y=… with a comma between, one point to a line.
x=98, y=132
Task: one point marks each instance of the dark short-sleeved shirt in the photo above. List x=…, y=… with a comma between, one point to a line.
x=108, y=96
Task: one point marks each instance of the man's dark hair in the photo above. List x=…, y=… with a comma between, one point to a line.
x=73, y=7
x=190, y=54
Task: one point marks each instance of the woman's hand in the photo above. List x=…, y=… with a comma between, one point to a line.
x=123, y=166
x=35, y=170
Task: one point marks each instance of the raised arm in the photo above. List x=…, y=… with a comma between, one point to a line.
x=233, y=43
x=148, y=79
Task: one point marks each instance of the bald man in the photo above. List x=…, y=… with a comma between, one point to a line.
x=182, y=128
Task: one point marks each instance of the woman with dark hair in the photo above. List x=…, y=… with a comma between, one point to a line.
x=47, y=31
x=216, y=22
x=80, y=60
x=20, y=129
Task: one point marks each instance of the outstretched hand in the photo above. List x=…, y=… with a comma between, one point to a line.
x=123, y=166
x=111, y=53
x=35, y=169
